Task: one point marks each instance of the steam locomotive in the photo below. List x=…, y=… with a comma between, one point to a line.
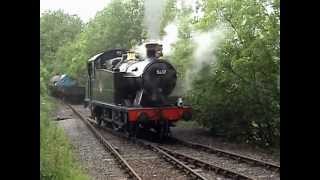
x=133, y=93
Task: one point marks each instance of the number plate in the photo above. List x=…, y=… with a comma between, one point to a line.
x=161, y=71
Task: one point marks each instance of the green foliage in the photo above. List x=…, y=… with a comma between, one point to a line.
x=169, y=13
x=44, y=74
x=240, y=98
x=119, y=25
x=56, y=158
x=56, y=28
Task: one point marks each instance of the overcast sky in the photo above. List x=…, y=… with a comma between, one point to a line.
x=85, y=9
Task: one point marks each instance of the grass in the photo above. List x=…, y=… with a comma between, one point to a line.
x=57, y=160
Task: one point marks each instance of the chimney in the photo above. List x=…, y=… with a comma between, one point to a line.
x=154, y=50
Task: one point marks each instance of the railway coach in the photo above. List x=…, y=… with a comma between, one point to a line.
x=67, y=89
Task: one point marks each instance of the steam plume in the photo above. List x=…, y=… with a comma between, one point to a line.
x=167, y=41
x=205, y=45
x=170, y=38
x=153, y=10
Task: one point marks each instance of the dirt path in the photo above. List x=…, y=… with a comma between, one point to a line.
x=96, y=161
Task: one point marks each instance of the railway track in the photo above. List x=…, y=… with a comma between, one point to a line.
x=136, y=159
x=238, y=157
x=222, y=162
x=188, y=162
x=122, y=162
x=146, y=161
x=205, y=165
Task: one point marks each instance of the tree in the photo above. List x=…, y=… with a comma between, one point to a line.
x=119, y=25
x=56, y=29
x=239, y=95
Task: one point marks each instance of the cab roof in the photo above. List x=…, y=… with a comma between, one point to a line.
x=110, y=54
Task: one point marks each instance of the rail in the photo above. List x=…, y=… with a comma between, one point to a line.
x=240, y=158
x=208, y=166
x=123, y=163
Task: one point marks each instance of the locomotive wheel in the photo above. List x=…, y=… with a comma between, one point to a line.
x=99, y=120
x=115, y=127
x=163, y=131
x=97, y=113
x=115, y=116
x=131, y=130
x=127, y=130
x=126, y=126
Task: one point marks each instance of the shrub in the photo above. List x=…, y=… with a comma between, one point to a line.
x=56, y=158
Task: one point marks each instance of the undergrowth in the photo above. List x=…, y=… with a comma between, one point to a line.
x=57, y=161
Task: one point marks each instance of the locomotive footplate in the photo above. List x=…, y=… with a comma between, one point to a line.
x=131, y=119
x=158, y=119
x=171, y=114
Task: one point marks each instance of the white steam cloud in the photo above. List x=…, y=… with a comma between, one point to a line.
x=141, y=50
x=170, y=38
x=167, y=41
x=205, y=45
x=205, y=42
x=153, y=10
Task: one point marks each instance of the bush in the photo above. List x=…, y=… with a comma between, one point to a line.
x=56, y=158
